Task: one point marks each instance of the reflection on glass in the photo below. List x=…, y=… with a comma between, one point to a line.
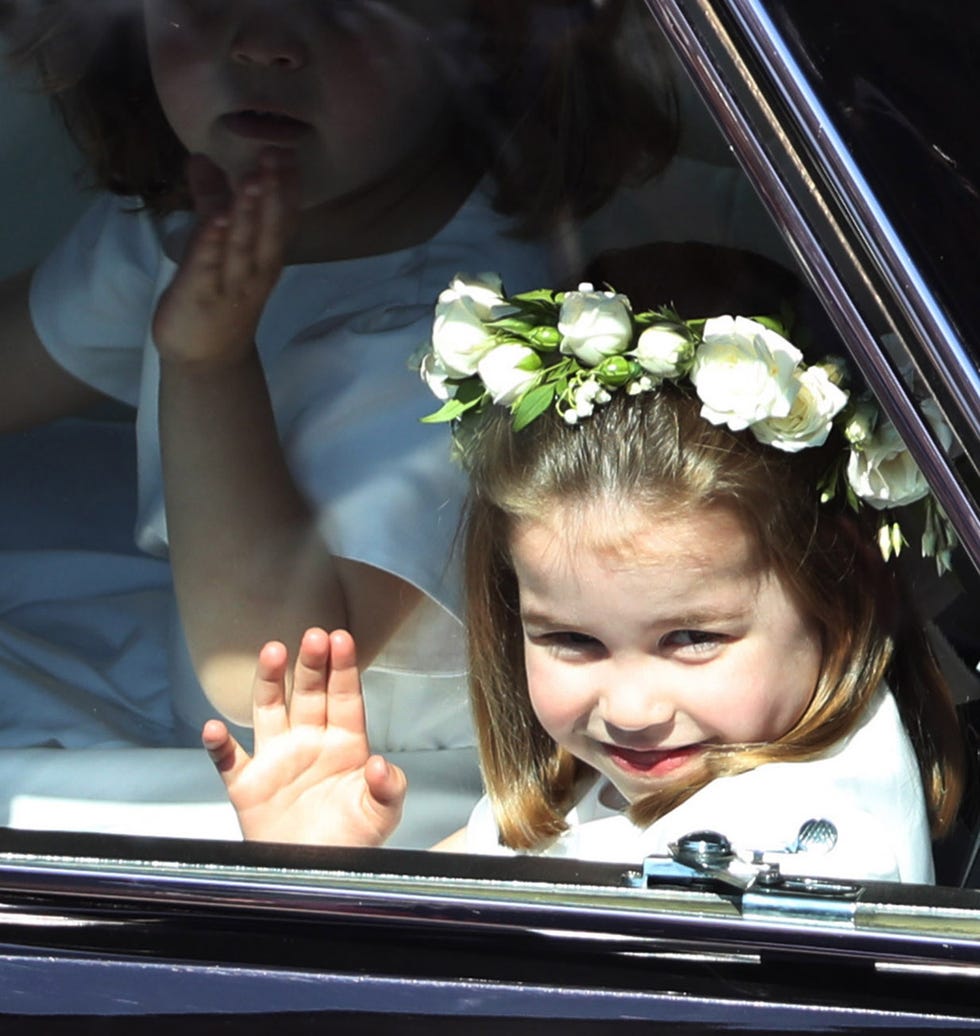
x=211, y=396
x=282, y=194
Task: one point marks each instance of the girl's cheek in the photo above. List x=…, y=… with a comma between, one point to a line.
x=538, y=682
x=558, y=697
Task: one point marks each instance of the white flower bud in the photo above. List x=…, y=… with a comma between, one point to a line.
x=861, y=423
x=662, y=350
x=508, y=371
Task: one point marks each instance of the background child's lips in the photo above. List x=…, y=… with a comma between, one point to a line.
x=273, y=127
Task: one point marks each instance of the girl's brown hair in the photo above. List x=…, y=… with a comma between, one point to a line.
x=561, y=101
x=656, y=451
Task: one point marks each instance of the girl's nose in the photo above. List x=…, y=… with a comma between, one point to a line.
x=266, y=39
x=634, y=704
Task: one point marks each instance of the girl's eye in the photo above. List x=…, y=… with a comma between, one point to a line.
x=567, y=641
x=693, y=640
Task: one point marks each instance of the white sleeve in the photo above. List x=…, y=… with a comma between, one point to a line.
x=92, y=298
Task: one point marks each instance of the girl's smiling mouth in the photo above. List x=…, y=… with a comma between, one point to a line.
x=650, y=762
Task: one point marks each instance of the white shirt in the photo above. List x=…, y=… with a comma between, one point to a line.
x=868, y=786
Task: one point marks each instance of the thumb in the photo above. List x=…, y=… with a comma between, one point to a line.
x=387, y=784
x=228, y=756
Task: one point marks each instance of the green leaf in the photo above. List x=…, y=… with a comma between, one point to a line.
x=469, y=394
x=773, y=323
x=537, y=295
x=449, y=411
x=696, y=327
x=470, y=391
x=532, y=404
x=515, y=325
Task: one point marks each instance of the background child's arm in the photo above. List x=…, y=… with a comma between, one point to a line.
x=33, y=387
x=312, y=779
x=248, y=559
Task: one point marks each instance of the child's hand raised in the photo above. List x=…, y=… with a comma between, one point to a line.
x=211, y=310
x=313, y=779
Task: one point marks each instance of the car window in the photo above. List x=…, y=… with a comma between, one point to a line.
x=554, y=144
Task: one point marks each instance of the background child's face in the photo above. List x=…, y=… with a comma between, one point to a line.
x=350, y=87
x=641, y=653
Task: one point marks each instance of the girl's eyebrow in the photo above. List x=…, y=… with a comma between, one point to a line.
x=538, y=618
x=705, y=617
x=686, y=620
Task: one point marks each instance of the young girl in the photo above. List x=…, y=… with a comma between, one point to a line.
x=259, y=304
x=678, y=616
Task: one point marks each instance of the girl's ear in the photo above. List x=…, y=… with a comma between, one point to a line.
x=209, y=187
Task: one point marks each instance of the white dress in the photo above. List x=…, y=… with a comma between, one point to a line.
x=868, y=786
x=91, y=650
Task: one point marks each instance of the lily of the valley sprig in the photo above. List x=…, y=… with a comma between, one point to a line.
x=571, y=350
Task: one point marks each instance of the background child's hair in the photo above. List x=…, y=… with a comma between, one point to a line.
x=655, y=451
x=559, y=101
x=91, y=58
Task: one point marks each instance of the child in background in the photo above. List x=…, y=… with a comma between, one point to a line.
x=259, y=303
x=678, y=615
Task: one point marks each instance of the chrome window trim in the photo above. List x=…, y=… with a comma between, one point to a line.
x=902, y=925
x=697, y=30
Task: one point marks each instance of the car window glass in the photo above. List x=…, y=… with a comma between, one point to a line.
x=890, y=120
x=435, y=138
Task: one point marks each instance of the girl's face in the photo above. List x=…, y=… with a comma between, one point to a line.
x=645, y=648
x=352, y=88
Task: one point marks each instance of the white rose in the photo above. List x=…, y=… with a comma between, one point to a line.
x=460, y=335
x=594, y=324
x=661, y=350
x=744, y=372
x=883, y=473
x=485, y=291
x=460, y=339
x=508, y=371
x=811, y=417
x=435, y=375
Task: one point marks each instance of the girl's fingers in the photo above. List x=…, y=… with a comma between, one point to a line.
x=386, y=782
x=228, y=756
x=239, y=265
x=345, y=702
x=203, y=266
x=277, y=173
x=269, y=716
x=308, y=704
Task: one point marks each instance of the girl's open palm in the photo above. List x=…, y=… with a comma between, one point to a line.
x=313, y=778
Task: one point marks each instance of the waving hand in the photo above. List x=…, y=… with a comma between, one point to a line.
x=313, y=778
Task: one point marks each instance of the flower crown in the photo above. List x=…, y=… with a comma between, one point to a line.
x=571, y=350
